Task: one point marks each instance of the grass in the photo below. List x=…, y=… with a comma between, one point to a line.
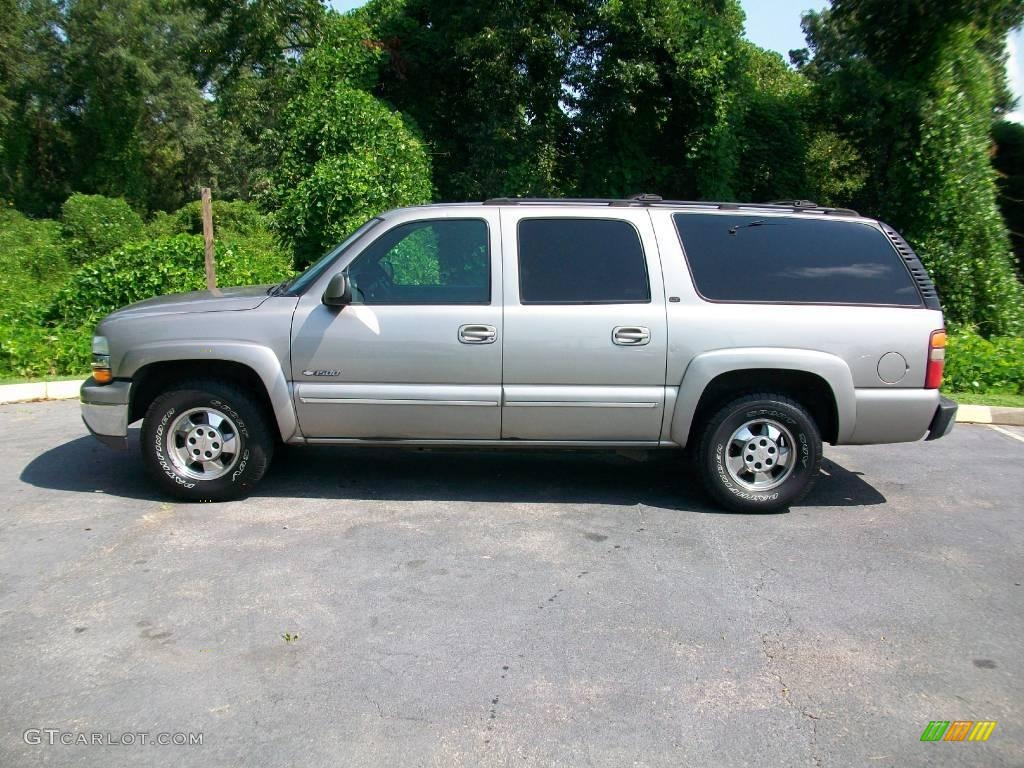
x=1001, y=400
x=25, y=380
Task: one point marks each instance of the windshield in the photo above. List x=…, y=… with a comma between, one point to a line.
x=310, y=276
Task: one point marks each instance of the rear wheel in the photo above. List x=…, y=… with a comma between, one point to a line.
x=760, y=453
x=206, y=441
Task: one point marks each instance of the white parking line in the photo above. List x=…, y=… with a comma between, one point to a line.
x=1006, y=432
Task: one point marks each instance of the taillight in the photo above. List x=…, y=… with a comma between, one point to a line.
x=936, y=360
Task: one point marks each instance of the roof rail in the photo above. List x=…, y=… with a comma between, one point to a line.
x=649, y=200
x=795, y=203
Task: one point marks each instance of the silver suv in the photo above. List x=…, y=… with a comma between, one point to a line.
x=747, y=334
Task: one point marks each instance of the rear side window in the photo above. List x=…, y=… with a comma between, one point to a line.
x=581, y=261
x=793, y=260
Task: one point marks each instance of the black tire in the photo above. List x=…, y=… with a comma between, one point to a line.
x=254, y=441
x=715, y=446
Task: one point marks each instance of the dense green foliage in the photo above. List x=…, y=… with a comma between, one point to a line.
x=347, y=159
x=154, y=267
x=1009, y=165
x=489, y=84
x=51, y=300
x=344, y=155
x=94, y=225
x=662, y=101
x=229, y=216
x=976, y=364
x=914, y=92
x=323, y=120
x=32, y=263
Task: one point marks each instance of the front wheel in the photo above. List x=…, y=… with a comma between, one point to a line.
x=206, y=441
x=760, y=453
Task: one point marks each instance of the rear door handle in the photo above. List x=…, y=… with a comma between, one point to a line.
x=631, y=335
x=477, y=334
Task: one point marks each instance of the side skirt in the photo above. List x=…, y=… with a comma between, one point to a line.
x=512, y=444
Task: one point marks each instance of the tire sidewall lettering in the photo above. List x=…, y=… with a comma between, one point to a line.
x=718, y=454
x=241, y=465
x=160, y=454
x=167, y=467
x=723, y=476
x=243, y=430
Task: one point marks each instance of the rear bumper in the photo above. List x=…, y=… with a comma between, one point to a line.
x=896, y=415
x=105, y=411
x=942, y=421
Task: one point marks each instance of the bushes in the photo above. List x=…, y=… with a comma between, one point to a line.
x=229, y=216
x=56, y=281
x=346, y=158
x=32, y=262
x=975, y=364
x=344, y=155
x=34, y=350
x=153, y=267
x=93, y=226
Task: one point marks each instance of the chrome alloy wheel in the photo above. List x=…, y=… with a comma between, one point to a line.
x=760, y=455
x=203, y=444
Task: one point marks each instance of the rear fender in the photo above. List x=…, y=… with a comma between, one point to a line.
x=704, y=368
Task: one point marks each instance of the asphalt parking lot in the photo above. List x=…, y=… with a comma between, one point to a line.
x=528, y=609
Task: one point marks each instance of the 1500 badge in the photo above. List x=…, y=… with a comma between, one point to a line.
x=321, y=373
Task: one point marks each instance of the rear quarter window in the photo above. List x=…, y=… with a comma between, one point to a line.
x=780, y=259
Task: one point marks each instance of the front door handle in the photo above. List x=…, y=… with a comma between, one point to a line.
x=477, y=334
x=631, y=335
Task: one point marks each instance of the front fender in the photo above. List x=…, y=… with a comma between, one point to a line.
x=704, y=368
x=257, y=357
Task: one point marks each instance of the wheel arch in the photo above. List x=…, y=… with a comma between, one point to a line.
x=820, y=381
x=256, y=369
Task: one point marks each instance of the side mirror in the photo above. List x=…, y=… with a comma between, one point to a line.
x=338, y=292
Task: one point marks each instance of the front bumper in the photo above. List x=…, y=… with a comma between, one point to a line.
x=942, y=421
x=105, y=411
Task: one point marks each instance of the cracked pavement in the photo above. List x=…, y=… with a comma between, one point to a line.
x=531, y=609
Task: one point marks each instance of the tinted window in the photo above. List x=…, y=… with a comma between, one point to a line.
x=311, y=275
x=581, y=261
x=445, y=261
x=751, y=258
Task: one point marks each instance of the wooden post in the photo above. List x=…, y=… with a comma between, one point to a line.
x=211, y=267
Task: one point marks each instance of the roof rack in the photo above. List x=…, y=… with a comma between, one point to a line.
x=649, y=200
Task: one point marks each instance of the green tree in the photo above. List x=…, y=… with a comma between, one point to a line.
x=1009, y=164
x=134, y=105
x=772, y=130
x=10, y=46
x=658, y=98
x=834, y=170
x=486, y=82
x=246, y=56
x=343, y=156
x=93, y=226
x=914, y=91
x=35, y=142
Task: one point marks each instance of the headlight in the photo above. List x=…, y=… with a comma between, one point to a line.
x=101, y=360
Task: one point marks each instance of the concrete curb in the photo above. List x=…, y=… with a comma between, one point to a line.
x=68, y=390
x=40, y=390
x=990, y=414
